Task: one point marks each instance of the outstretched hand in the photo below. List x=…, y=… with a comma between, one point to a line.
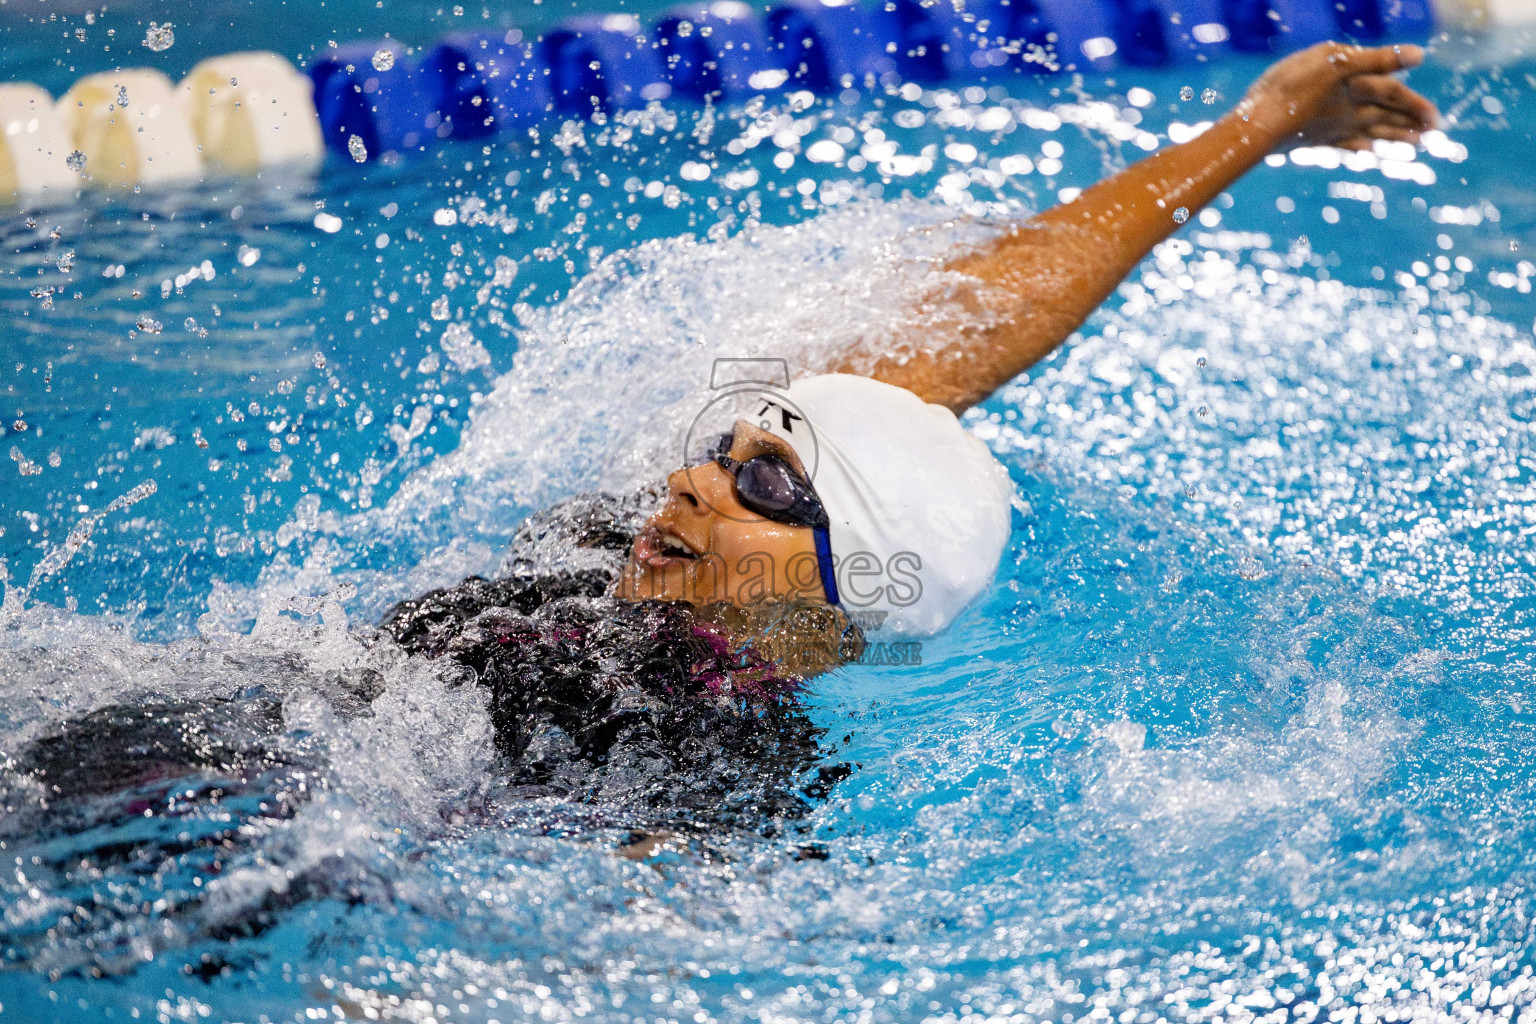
x=1337, y=95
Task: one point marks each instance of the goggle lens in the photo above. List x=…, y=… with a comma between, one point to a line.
x=766, y=484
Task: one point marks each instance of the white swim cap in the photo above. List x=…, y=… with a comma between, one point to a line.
x=919, y=508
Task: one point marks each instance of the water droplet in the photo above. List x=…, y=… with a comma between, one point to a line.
x=685, y=28
x=1200, y=361
x=160, y=37
x=75, y=161
x=122, y=96
x=1208, y=97
x=462, y=348
x=80, y=35
x=1514, y=246
x=67, y=261
x=148, y=324
x=1181, y=215
x=357, y=148
x=24, y=464
x=383, y=59
x=1187, y=93
x=190, y=324
x=504, y=272
x=440, y=308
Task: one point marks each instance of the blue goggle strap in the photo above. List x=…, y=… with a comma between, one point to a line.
x=824, y=563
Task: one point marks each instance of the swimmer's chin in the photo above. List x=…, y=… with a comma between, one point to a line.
x=802, y=635
x=672, y=580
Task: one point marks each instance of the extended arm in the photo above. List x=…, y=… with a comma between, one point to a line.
x=1038, y=282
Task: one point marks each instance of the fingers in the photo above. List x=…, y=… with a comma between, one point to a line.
x=1369, y=113
x=1365, y=141
x=1388, y=92
x=1393, y=133
x=1374, y=60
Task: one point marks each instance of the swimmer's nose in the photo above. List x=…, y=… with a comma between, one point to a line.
x=681, y=487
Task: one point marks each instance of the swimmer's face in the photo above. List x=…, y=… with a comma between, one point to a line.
x=704, y=546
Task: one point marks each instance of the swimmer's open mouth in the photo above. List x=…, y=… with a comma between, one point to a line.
x=658, y=548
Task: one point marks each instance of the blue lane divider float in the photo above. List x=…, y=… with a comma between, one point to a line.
x=1152, y=33
x=990, y=38
x=1266, y=26
x=374, y=98
x=488, y=83
x=718, y=48
x=825, y=47
x=606, y=62
x=378, y=94
x=1410, y=20
x=476, y=84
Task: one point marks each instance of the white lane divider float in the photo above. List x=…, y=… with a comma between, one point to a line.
x=252, y=110
x=33, y=145
x=131, y=128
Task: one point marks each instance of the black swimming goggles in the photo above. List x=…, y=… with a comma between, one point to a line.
x=770, y=487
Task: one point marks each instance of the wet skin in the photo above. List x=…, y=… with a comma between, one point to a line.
x=704, y=546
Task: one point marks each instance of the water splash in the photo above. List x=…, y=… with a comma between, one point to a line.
x=604, y=383
x=59, y=556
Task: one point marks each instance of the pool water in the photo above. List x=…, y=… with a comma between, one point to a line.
x=1242, y=730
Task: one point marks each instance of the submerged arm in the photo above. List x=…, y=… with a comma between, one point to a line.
x=1041, y=280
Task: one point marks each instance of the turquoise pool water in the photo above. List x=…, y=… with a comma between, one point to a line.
x=1242, y=731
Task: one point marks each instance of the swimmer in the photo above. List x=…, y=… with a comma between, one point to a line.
x=647, y=691
x=649, y=684
x=852, y=504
